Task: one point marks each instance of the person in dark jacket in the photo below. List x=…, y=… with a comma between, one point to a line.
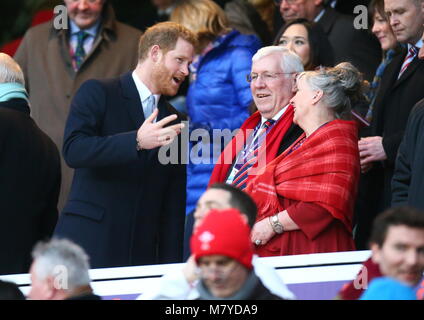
x=57, y=60
x=127, y=201
x=350, y=43
x=223, y=252
x=400, y=89
x=219, y=96
x=408, y=182
x=29, y=174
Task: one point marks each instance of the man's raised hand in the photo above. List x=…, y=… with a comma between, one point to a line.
x=152, y=135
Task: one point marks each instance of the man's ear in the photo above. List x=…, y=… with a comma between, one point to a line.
x=375, y=253
x=155, y=53
x=49, y=289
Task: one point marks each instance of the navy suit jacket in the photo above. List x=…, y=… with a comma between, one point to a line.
x=125, y=207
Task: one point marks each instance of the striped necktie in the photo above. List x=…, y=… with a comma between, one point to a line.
x=411, y=55
x=250, y=156
x=79, y=51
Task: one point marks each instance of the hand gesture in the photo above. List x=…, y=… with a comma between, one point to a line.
x=152, y=135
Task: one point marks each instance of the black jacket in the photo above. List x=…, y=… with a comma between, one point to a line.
x=29, y=186
x=408, y=182
x=394, y=102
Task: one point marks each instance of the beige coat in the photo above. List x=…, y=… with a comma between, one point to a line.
x=52, y=82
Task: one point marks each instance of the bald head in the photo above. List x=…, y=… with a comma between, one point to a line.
x=10, y=71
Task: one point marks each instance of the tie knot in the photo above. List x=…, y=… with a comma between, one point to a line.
x=149, y=105
x=81, y=36
x=150, y=99
x=268, y=123
x=413, y=51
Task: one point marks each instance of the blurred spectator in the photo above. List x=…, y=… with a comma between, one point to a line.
x=60, y=272
x=219, y=96
x=400, y=89
x=218, y=196
x=350, y=44
x=305, y=196
x=223, y=253
x=386, y=288
x=308, y=41
x=397, y=244
x=29, y=171
x=408, y=182
x=244, y=17
x=181, y=284
x=94, y=46
x=10, y=291
x=164, y=9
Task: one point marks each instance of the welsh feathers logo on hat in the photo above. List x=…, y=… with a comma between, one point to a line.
x=223, y=232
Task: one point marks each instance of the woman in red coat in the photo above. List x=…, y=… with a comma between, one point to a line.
x=305, y=197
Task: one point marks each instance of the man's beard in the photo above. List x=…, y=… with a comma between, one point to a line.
x=164, y=81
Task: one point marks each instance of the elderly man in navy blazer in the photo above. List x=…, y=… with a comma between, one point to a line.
x=126, y=206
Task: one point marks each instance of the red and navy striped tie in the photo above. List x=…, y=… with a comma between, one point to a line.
x=411, y=55
x=250, y=156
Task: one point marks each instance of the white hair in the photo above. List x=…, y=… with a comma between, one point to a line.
x=59, y=255
x=341, y=86
x=290, y=61
x=10, y=71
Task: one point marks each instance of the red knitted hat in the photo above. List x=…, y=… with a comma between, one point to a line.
x=223, y=232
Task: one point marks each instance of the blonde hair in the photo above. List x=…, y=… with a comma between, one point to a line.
x=203, y=17
x=165, y=35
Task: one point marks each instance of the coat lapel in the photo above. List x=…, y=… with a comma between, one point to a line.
x=132, y=99
x=408, y=72
x=327, y=20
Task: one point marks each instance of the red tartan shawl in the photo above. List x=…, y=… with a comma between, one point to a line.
x=269, y=149
x=324, y=171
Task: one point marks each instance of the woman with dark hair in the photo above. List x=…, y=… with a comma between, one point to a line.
x=308, y=41
x=383, y=31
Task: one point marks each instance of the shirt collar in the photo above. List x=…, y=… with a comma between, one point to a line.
x=276, y=117
x=419, y=44
x=143, y=91
x=92, y=31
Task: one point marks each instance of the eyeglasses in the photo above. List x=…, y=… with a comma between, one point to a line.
x=278, y=2
x=266, y=76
